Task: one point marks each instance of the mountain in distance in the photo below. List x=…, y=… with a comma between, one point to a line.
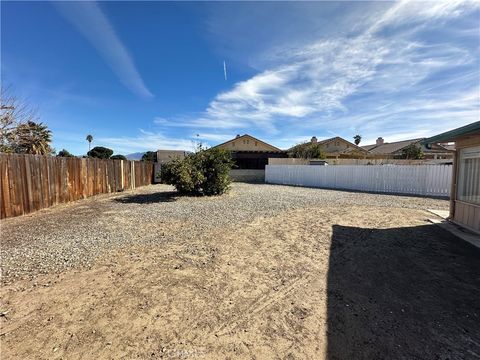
x=135, y=156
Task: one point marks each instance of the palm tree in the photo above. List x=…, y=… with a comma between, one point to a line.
x=33, y=138
x=357, y=139
x=89, y=139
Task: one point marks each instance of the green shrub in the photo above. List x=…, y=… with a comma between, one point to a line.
x=64, y=153
x=100, y=152
x=307, y=150
x=205, y=172
x=150, y=156
x=412, y=151
x=118, y=157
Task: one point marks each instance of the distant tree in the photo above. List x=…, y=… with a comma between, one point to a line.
x=150, y=156
x=100, y=152
x=32, y=138
x=307, y=150
x=118, y=157
x=64, y=153
x=412, y=152
x=89, y=139
x=357, y=138
x=14, y=111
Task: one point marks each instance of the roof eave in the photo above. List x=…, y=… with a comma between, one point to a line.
x=453, y=134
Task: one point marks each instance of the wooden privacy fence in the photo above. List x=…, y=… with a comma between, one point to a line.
x=33, y=182
x=428, y=180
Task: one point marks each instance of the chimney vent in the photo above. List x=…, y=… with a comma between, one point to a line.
x=314, y=139
x=238, y=135
x=380, y=141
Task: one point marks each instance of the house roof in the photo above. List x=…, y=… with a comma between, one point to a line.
x=473, y=128
x=390, y=148
x=368, y=147
x=324, y=142
x=250, y=136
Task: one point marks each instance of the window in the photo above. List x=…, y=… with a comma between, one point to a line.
x=255, y=143
x=468, y=180
x=337, y=143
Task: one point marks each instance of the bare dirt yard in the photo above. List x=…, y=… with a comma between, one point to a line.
x=264, y=272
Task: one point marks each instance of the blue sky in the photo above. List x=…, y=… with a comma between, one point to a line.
x=142, y=76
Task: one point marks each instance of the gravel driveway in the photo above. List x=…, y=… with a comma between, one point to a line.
x=77, y=233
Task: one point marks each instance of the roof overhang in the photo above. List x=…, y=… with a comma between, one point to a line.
x=470, y=129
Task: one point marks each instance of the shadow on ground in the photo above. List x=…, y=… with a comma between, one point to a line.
x=164, y=196
x=402, y=293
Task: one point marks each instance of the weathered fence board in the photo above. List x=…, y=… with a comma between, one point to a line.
x=33, y=182
x=428, y=180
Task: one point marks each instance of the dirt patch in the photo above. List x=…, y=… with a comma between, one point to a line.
x=336, y=283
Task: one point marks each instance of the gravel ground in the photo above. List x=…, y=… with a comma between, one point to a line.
x=76, y=234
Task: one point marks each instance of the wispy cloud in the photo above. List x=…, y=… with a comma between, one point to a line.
x=214, y=137
x=389, y=76
x=92, y=23
x=408, y=70
x=418, y=12
x=146, y=141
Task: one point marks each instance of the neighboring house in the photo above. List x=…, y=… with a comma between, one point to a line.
x=167, y=155
x=338, y=147
x=251, y=153
x=394, y=150
x=465, y=194
x=164, y=156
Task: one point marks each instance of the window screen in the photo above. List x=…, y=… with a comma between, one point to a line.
x=468, y=180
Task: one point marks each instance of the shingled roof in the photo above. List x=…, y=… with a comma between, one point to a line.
x=391, y=148
x=330, y=140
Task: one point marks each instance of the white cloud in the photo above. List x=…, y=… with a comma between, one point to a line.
x=146, y=141
x=317, y=78
x=92, y=23
x=217, y=138
x=384, y=78
x=421, y=117
x=161, y=121
x=313, y=85
x=417, y=12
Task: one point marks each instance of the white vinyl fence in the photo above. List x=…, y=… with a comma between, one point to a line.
x=430, y=180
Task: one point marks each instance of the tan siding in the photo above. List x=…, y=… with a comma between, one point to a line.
x=167, y=155
x=467, y=215
x=468, y=141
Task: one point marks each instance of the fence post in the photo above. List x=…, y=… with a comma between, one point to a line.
x=122, y=176
x=132, y=174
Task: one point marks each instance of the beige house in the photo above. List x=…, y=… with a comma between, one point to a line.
x=394, y=150
x=247, y=143
x=167, y=155
x=465, y=194
x=251, y=153
x=338, y=147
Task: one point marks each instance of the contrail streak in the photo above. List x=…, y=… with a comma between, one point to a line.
x=225, y=69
